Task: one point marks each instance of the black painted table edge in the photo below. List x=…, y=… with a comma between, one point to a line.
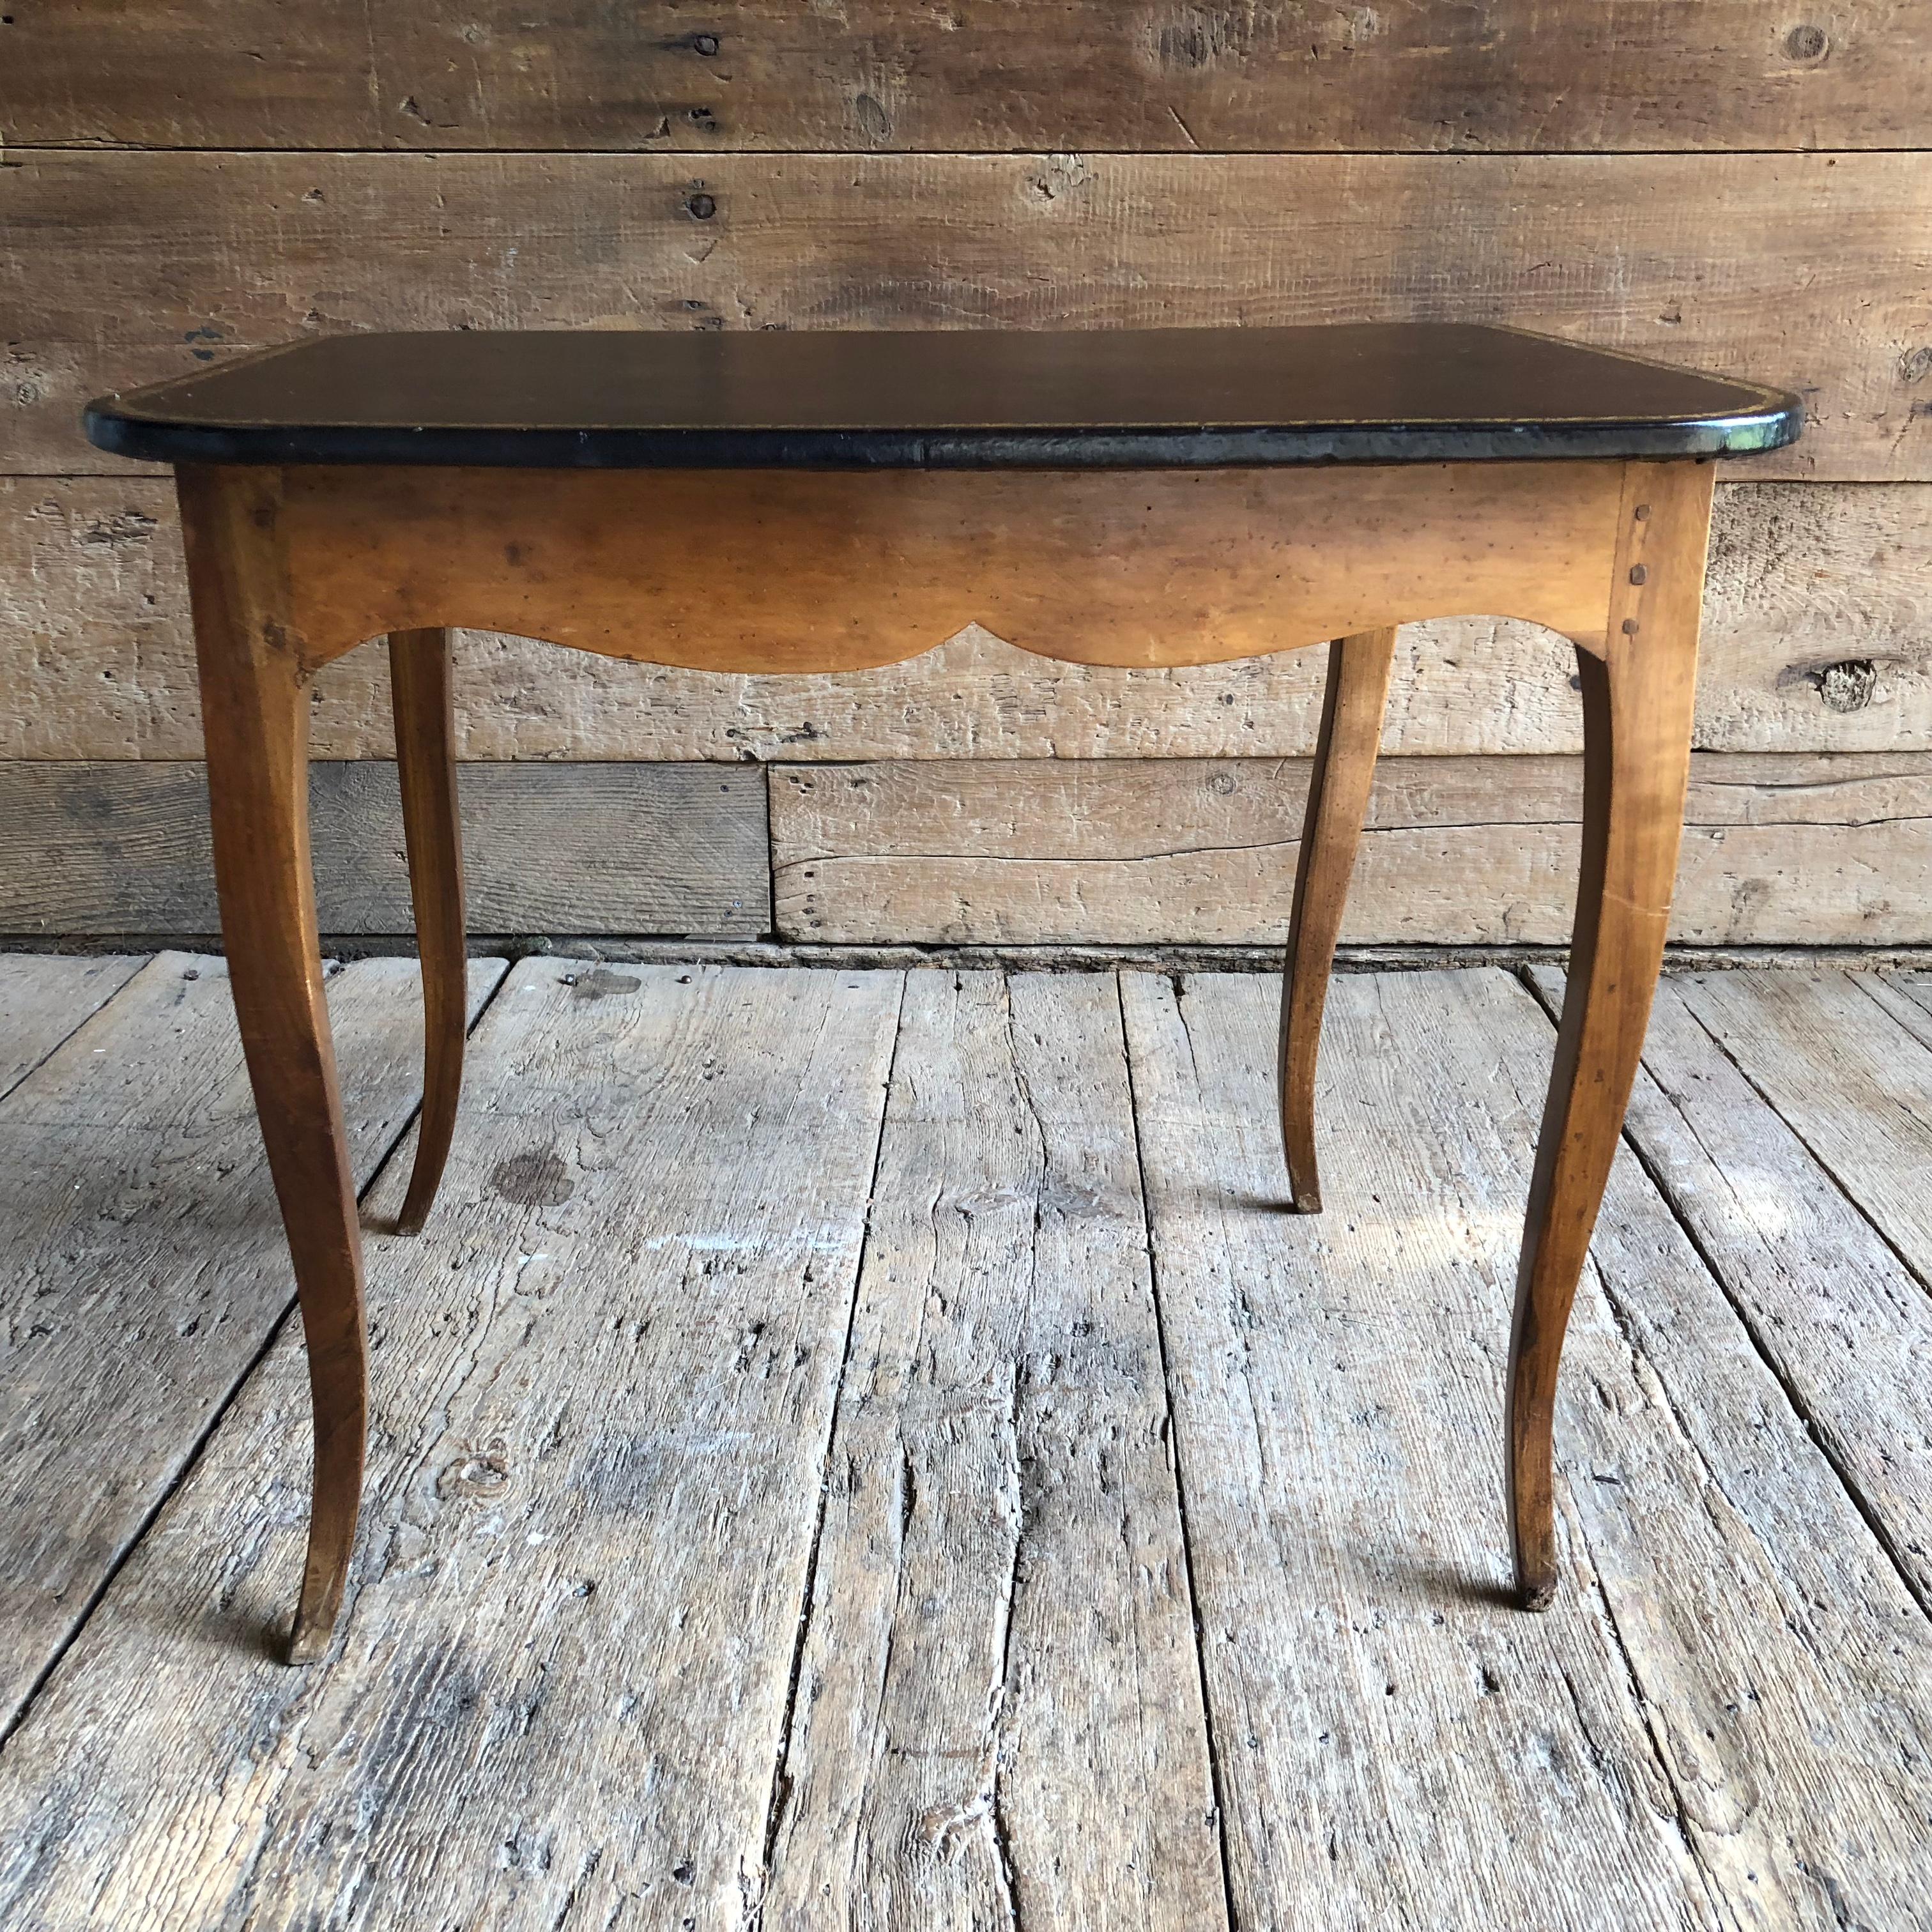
x=988, y=449
x=135, y=425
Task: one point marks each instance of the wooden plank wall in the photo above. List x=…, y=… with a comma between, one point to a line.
x=1732, y=183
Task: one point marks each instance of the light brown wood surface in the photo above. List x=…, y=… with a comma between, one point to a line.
x=1636, y=765
x=757, y=74
x=419, y=671
x=784, y=570
x=1793, y=850
x=1817, y=636
x=1806, y=270
x=1344, y=767
x=255, y=724
x=144, y=1269
x=603, y=1422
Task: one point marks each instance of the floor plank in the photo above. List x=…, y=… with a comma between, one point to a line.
x=43, y=997
x=999, y=1720
x=1395, y=1747
x=867, y=1451
x=1785, y=1666
x=604, y=1385
x=1726, y=1593
x=1849, y=1076
x=1845, y=1326
x=141, y=1267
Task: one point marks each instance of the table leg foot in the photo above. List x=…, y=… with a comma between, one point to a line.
x=1637, y=701
x=419, y=675
x=255, y=722
x=1352, y=706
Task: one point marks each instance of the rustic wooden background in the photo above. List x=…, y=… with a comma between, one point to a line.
x=1745, y=184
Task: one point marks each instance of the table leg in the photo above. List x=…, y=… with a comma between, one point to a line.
x=1637, y=703
x=419, y=679
x=255, y=720
x=1352, y=706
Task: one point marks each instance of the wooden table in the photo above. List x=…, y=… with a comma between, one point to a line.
x=834, y=501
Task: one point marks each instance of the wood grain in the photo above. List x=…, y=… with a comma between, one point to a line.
x=1726, y=1590
x=1499, y=74
x=1817, y=636
x=44, y=996
x=123, y=847
x=145, y=1268
x=1781, y=849
x=1394, y=1743
x=998, y=1719
x=255, y=720
x=1339, y=777
x=1856, y=1089
x=1804, y=270
x=603, y=1409
x=1637, y=767
x=784, y=570
x=419, y=672
x=1844, y=1323
x=1457, y=851
x=603, y=1417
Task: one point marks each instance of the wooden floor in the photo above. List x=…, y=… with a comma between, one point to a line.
x=859, y=1448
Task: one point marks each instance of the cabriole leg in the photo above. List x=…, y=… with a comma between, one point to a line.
x=1637, y=701
x=255, y=719
x=1352, y=705
x=419, y=676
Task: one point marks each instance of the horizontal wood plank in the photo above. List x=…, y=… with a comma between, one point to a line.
x=124, y=848
x=1785, y=848
x=1780, y=849
x=879, y=74
x=1804, y=270
x=1817, y=637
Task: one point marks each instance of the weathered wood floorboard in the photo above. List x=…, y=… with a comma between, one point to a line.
x=1749, y=1591
x=1395, y=1746
x=1845, y=1327
x=998, y=1721
x=142, y=1264
x=1724, y=1590
x=604, y=1381
x=44, y=996
x=1848, y=1073
x=731, y=1562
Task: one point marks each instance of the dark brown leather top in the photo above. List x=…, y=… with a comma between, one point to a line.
x=1380, y=392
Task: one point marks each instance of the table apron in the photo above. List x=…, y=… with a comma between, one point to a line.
x=779, y=571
